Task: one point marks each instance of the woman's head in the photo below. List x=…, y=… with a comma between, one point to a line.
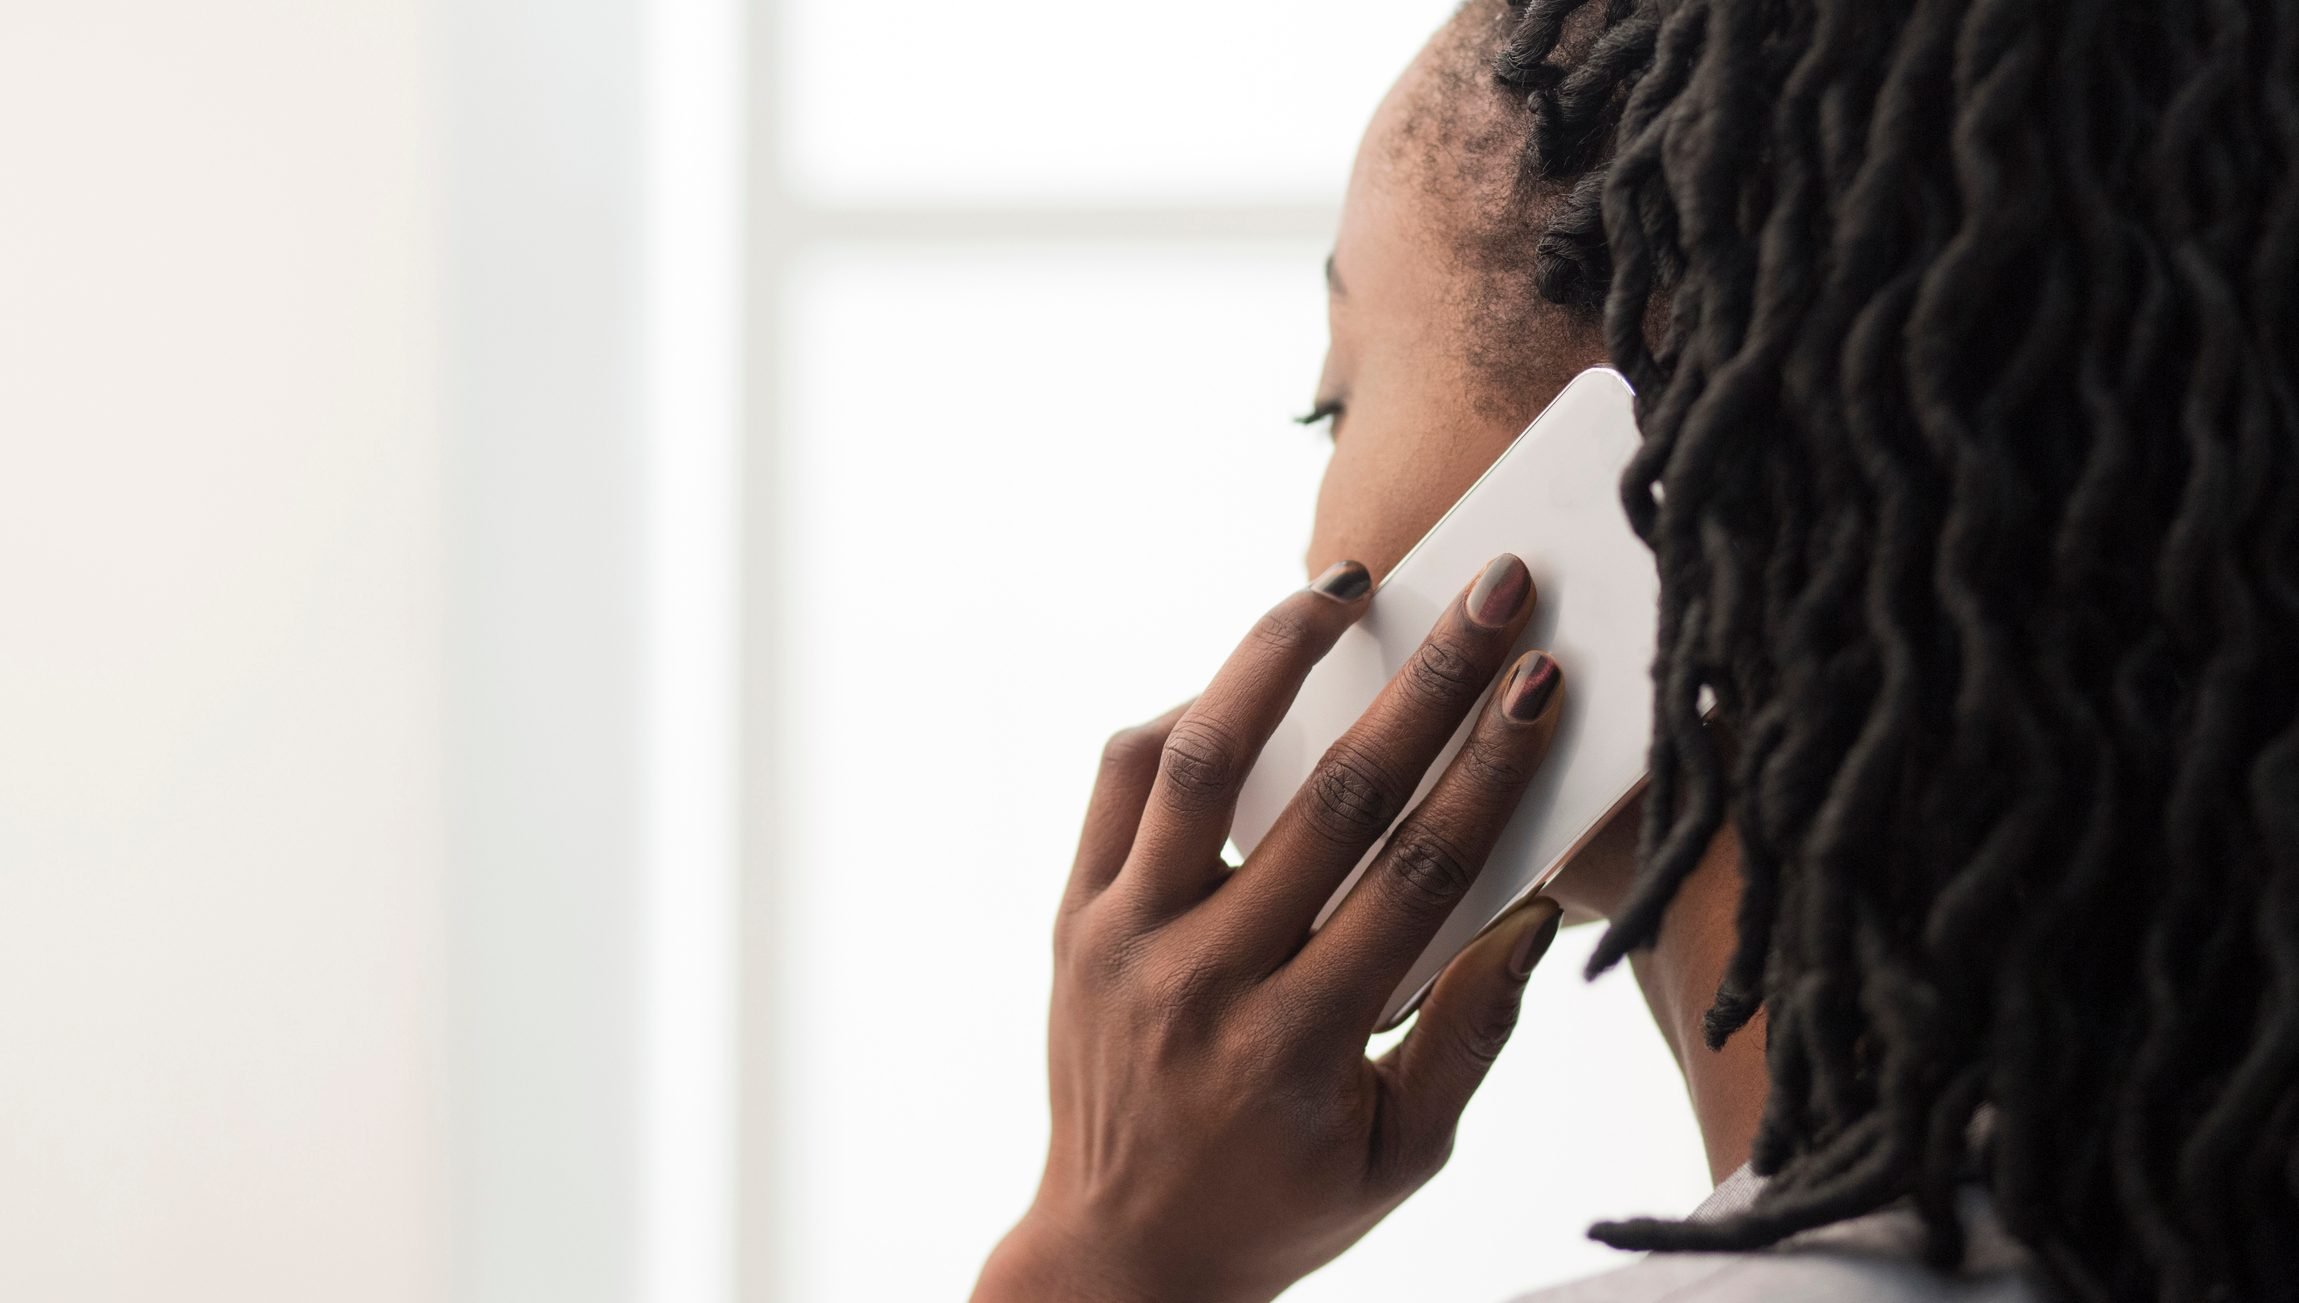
x=1442, y=350
x=1971, y=466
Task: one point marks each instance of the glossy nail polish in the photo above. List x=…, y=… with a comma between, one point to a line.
x=1343, y=581
x=1531, y=686
x=1500, y=592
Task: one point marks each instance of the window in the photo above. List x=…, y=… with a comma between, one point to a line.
x=1038, y=288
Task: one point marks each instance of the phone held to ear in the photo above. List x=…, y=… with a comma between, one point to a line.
x=1553, y=499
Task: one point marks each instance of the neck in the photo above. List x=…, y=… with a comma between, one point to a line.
x=1679, y=975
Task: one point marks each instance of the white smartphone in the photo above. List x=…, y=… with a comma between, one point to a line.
x=1554, y=500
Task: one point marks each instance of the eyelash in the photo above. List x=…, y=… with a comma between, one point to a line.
x=1326, y=411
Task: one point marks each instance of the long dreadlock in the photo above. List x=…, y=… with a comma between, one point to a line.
x=1971, y=465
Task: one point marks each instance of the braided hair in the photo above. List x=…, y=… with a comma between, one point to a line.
x=1965, y=339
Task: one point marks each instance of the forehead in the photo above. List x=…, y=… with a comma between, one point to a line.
x=1425, y=167
x=1451, y=138
x=1437, y=240
x=1442, y=119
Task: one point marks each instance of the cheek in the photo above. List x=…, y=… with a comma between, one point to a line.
x=1365, y=511
x=1385, y=487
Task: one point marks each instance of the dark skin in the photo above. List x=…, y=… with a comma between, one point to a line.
x=1218, y=1131
x=1415, y=421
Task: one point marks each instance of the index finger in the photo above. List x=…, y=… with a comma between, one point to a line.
x=1176, y=854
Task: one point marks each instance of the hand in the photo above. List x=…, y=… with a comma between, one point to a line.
x=1217, y=1129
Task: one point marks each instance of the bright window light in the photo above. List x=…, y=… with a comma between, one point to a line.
x=1033, y=496
x=1041, y=100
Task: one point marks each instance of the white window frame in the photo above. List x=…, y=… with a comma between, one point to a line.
x=783, y=227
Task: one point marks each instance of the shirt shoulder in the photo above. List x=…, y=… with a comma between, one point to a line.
x=1788, y=1276
x=1874, y=1258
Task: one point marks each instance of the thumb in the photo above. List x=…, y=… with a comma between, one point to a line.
x=1465, y=1021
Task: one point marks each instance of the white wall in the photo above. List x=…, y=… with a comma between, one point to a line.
x=221, y=831
x=362, y=474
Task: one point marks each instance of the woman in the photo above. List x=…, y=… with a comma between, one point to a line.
x=1964, y=339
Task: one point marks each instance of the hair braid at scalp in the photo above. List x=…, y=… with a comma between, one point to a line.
x=1965, y=336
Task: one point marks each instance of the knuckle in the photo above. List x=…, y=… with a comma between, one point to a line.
x=1261, y=1043
x=1201, y=763
x=1290, y=1029
x=1426, y=874
x=1124, y=750
x=1182, y=996
x=1495, y=764
x=1108, y=946
x=1442, y=673
x=1285, y=630
x=1094, y=952
x=1350, y=796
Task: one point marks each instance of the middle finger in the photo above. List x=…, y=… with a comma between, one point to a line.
x=1370, y=944
x=1367, y=775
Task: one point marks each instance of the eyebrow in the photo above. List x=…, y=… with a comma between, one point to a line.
x=1333, y=279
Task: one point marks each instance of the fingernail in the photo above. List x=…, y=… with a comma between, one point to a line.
x=1531, y=686
x=1343, y=581
x=1535, y=942
x=1500, y=592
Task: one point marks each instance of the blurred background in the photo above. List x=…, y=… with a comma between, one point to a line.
x=563, y=567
